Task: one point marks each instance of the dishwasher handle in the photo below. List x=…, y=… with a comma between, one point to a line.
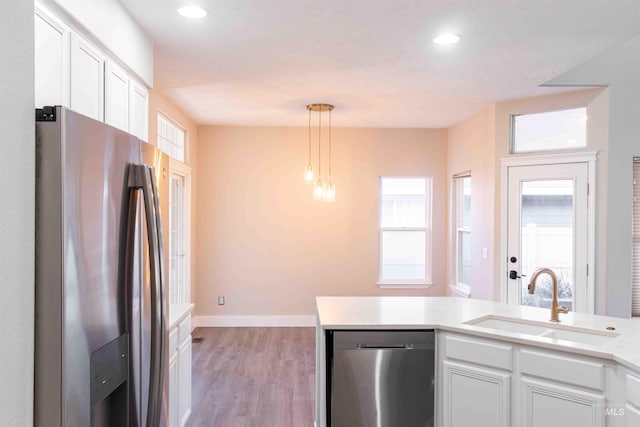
x=385, y=347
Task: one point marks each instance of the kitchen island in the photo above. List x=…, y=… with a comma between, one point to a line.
x=504, y=365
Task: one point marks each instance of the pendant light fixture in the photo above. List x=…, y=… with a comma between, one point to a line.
x=321, y=191
x=308, y=176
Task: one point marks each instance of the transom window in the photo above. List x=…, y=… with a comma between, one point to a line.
x=405, y=231
x=171, y=138
x=553, y=130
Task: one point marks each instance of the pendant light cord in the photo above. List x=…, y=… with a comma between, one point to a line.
x=319, y=142
x=329, y=146
x=309, y=137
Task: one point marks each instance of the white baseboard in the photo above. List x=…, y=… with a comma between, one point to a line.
x=253, y=321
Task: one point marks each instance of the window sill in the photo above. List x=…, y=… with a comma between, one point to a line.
x=460, y=290
x=398, y=285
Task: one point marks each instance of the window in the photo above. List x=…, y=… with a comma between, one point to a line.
x=635, y=298
x=554, y=130
x=171, y=138
x=405, y=231
x=462, y=212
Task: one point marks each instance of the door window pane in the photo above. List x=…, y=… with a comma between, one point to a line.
x=554, y=130
x=177, y=250
x=403, y=255
x=547, y=221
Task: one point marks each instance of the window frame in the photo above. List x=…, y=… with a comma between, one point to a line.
x=427, y=282
x=458, y=204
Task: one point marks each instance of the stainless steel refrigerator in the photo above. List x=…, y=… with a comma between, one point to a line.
x=101, y=299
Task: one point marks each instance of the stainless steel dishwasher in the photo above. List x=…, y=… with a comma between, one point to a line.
x=381, y=379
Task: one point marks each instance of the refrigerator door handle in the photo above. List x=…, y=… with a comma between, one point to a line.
x=159, y=297
x=142, y=177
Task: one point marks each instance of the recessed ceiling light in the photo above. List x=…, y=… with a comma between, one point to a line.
x=447, y=39
x=192, y=12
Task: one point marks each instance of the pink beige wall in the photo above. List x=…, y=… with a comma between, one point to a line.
x=471, y=147
x=159, y=103
x=269, y=248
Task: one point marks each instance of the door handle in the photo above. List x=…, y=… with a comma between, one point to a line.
x=385, y=347
x=514, y=275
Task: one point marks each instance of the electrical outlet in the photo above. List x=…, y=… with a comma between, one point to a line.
x=220, y=300
x=485, y=253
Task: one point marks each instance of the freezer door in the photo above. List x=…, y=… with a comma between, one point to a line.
x=80, y=297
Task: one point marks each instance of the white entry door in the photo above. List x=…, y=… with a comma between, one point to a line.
x=547, y=226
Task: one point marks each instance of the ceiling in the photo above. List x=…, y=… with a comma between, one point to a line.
x=259, y=62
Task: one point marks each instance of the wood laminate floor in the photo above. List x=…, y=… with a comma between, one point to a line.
x=261, y=377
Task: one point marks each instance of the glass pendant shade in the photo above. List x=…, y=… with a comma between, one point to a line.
x=318, y=190
x=330, y=193
x=308, y=176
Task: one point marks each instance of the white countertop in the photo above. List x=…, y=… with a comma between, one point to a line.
x=177, y=312
x=447, y=313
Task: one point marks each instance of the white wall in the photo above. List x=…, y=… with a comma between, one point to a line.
x=617, y=68
x=119, y=33
x=17, y=195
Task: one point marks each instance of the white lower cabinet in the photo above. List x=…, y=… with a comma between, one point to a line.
x=180, y=373
x=486, y=382
x=475, y=396
x=184, y=381
x=173, y=390
x=546, y=404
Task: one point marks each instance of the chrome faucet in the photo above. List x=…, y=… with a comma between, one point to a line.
x=555, y=306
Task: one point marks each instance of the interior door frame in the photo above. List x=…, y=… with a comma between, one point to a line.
x=588, y=157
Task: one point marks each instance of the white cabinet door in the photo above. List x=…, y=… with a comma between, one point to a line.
x=184, y=381
x=139, y=111
x=52, y=47
x=552, y=405
x=474, y=396
x=87, y=78
x=116, y=112
x=174, y=419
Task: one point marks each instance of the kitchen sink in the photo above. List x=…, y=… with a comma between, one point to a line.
x=544, y=330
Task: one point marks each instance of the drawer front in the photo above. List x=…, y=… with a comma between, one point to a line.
x=479, y=352
x=563, y=369
x=633, y=390
x=184, y=329
x=173, y=342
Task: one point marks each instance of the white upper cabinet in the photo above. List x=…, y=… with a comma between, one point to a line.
x=71, y=71
x=87, y=78
x=117, y=81
x=139, y=111
x=52, y=46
